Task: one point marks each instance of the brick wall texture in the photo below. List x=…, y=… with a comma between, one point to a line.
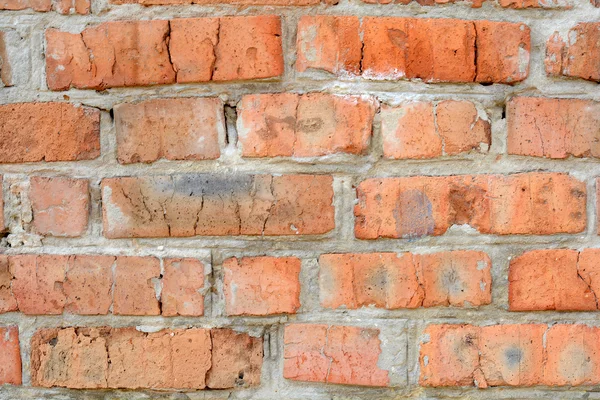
x=299, y=199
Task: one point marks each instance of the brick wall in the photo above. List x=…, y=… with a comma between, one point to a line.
x=299, y=199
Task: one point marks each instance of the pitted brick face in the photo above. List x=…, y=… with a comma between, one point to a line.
x=189, y=205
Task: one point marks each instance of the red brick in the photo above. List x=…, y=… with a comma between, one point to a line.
x=60, y=205
x=173, y=129
x=433, y=50
x=564, y=280
x=88, y=285
x=553, y=128
x=497, y=355
x=315, y=124
x=333, y=354
x=126, y=358
x=236, y=360
x=2, y=227
x=62, y=6
x=503, y=50
x=573, y=356
x=37, y=283
x=202, y=204
x=329, y=43
x=249, y=48
x=192, y=47
x=427, y=130
x=8, y=302
x=390, y=280
x=261, y=285
x=233, y=2
x=126, y=53
x=516, y=4
x=183, y=287
x=53, y=132
x=134, y=287
x=579, y=57
x=528, y=203
x=10, y=356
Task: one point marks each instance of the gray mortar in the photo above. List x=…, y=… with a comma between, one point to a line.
x=401, y=330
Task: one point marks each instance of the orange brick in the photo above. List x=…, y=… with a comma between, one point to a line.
x=88, y=285
x=261, y=285
x=62, y=6
x=390, y=280
x=174, y=129
x=333, y=354
x=53, y=132
x=497, y=355
x=329, y=43
x=236, y=360
x=553, y=128
x=134, y=287
x=192, y=47
x=37, y=283
x=203, y=204
x=10, y=356
x=60, y=205
x=428, y=130
x=579, y=57
x=502, y=52
x=183, y=287
x=529, y=203
x=315, y=124
x=564, y=280
x=8, y=302
x=2, y=227
x=249, y=48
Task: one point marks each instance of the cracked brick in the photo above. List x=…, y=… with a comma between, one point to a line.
x=579, y=56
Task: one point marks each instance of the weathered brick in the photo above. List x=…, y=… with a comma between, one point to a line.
x=553, y=128
x=192, y=50
x=390, y=280
x=60, y=205
x=579, y=57
x=314, y=124
x=427, y=130
x=62, y=6
x=37, y=283
x=183, y=287
x=497, y=355
x=10, y=356
x=8, y=302
x=329, y=43
x=517, y=4
x=134, y=287
x=233, y=2
x=174, y=129
x=236, y=360
x=261, y=285
x=333, y=354
x=2, y=227
x=433, y=50
x=510, y=355
x=88, y=284
x=202, y=204
x=53, y=132
x=562, y=280
x=528, y=203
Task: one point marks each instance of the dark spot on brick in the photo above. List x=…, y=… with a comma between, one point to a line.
x=413, y=214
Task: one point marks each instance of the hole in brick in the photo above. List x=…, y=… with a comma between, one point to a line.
x=53, y=342
x=504, y=112
x=486, y=83
x=112, y=114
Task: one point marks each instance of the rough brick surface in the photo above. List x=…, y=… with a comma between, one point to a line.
x=203, y=49
x=314, y=124
x=562, y=280
x=261, y=285
x=530, y=203
x=62, y=6
x=134, y=291
x=53, y=132
x=173, y=129
x=234, y=2
x=433, y=50
x=553, y=128
x=10, y=356
x=183, y=287
x=333, y=354
x=126, y=358
x=60, y=205
x=510, y=355
x=577, y=55
x=428, y=130
x=2, y=227
x=390, y=280
x=196, y=204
